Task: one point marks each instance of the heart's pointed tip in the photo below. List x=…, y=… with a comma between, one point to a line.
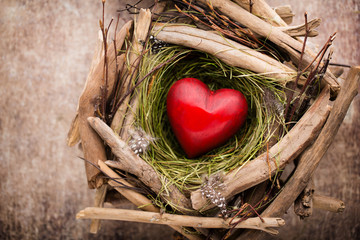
x=193, y=155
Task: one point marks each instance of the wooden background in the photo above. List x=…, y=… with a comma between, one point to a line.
x=46, y=49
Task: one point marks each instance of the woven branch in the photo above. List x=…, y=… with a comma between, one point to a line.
x=179, y=220
x=230, y=52
x=298, y=31
x=328, y=203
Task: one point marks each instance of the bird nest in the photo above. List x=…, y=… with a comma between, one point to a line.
x=290, y=92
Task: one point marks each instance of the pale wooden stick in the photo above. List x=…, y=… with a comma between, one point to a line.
x=285, y=12
x=178, y=220
x=141, y=29
x=99, y=202
x=286, y=150
x=136, y=198
x=328, y=203
x=226, y=50
x=263, y=10
x=135, y=165
x=291, y=45
x=303, y=205
x=311, y=157
x=298, y=31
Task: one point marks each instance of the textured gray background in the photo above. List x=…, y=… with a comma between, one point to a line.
x=46, y=49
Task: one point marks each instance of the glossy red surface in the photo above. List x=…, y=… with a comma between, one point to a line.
x=203, y=119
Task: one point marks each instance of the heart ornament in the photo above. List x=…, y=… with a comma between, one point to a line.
x=202, y=119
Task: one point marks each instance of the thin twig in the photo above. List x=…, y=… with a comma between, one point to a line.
x=116, y=53
x=340, y=65
x=312, y=75
x=129, y=7
x=104, y=89
x=299, y=73
x=116, y=68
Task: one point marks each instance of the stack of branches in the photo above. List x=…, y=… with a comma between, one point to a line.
x=242, y=34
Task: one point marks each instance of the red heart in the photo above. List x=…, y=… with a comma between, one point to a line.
x=203, y=119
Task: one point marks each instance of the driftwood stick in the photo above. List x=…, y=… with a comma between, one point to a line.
x=285, y=12
x=100, y=195
x=136, y=198
x=289, y=147
x=303, y=205
x=92, y=145
x=328, y=203
x=135, y=165
x=141, y=29
x=178, y=220
x=291, y=45
x=261, y=9
x=299, y=31
x=311, y=157
x=230, y=52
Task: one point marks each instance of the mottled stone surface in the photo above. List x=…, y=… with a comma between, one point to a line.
x=46, y=49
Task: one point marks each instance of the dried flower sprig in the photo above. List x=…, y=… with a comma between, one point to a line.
x=272, y=103
x=211, y=189
x=140, y=140
x=157, y=44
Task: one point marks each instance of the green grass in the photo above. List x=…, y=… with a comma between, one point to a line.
x=165, y=154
